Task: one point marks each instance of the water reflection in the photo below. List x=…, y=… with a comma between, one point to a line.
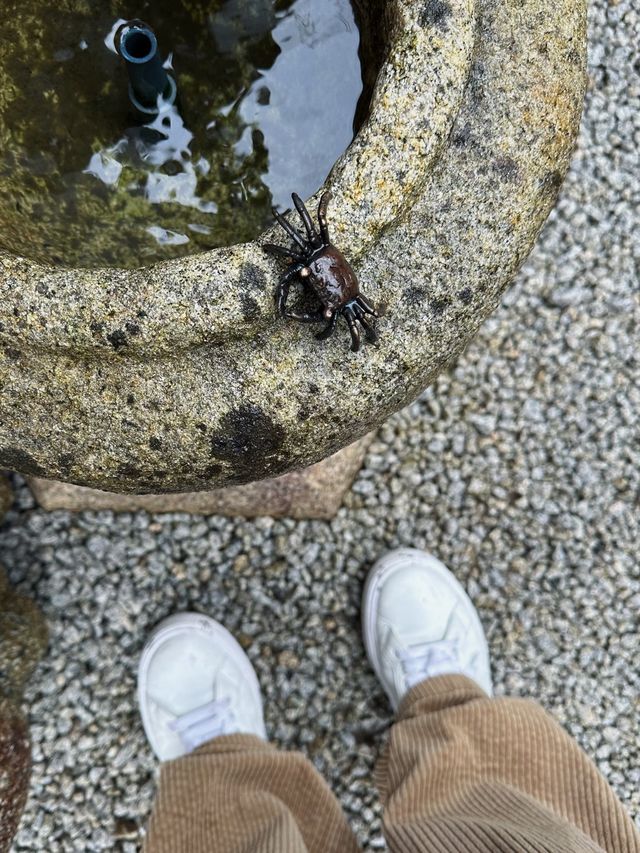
x=267, y=97
x=163, y=143
x=163, y=148
x=299, y=102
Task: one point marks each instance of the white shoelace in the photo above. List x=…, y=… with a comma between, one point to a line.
x=204, y=723
x=426, y=660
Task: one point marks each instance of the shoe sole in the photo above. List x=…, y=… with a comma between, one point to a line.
x=179, y=624
x=380, y=572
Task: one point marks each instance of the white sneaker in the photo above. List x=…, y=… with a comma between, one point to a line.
x=195, y=683
x=418, y=622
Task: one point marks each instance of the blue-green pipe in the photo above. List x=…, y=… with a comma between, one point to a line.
x=148, y=80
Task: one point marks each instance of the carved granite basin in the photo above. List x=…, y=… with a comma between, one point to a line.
x=178, y=376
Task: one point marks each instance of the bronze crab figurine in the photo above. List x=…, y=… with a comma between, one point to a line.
x=319, y=264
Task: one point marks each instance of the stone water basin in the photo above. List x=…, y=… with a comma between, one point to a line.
x=176, y=375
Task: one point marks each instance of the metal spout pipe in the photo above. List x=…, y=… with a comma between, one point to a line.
x=151, y=89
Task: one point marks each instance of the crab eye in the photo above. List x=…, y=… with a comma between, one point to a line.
x=305, y=272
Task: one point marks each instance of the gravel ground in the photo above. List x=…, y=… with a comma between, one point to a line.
x=520, y=468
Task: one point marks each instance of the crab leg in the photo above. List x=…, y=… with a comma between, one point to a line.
x=371, y=333
x=317, y=317
x=291, y=231
x=312, y=234
x=281, y=252
x=353, y=328
x=282, y=291
x=363, y=302
x=330, y=329
x=322, y=216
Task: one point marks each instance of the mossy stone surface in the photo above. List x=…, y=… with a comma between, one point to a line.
x=179, y=376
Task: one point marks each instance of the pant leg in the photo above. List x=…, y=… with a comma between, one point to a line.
x=238, y=794
x=463, y=772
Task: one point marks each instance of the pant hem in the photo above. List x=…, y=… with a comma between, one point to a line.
x=229, y=743
x=438, y=693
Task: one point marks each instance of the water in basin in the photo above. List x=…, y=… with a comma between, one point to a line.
x=268, y=94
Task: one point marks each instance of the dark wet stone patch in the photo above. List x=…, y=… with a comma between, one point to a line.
x=253, y=276
x=435, y=13
x=506, y=168
x=250, y=308
x=15, y=459
x=247, y=437
x=118, y=339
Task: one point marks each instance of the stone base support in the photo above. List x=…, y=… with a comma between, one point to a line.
x=314, y=492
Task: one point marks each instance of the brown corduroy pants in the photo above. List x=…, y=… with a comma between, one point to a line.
x=461, y=772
